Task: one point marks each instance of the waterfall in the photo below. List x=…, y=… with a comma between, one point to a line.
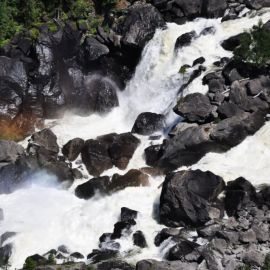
x=45, y=217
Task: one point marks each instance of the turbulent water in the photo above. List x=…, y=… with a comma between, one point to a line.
x=45, y=216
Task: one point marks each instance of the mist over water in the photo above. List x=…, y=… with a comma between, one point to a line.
x=46, y=216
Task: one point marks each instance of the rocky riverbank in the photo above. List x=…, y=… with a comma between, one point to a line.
x=208, y=224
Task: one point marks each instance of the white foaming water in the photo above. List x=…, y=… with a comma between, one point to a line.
x=46, y=217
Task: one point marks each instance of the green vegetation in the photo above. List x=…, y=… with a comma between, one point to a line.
x=51, y=259
x=266, y=265
x=254, y=47
x=21, y=15
x=244, y=267
x=29, y=264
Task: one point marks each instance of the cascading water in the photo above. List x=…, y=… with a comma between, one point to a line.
x=45, y=216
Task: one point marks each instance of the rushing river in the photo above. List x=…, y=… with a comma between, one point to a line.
x=46, y=216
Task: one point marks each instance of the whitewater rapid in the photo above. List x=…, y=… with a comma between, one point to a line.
x=45, y=216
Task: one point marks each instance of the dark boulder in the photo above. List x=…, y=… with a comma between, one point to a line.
x=194, y=108
x=101, y=255
x=198, y=61
x=186, y=197
x=184, y=40
x=184, y=250
x=152, y=154
x=100, y=95
x=10, y=151
x=232, y=42
x=139, y=239
x=96, y=157
x=114, y=265
x=228, y=109
x=133, y=178
x=122, y=148
x=77, y=255
x=164, y=265
x=92, y=187
x=238, y=193
x=14, y=71
x=128, y=214
x=214, y=8
x=122, y=227
x=191, y=9
x=164, y=234
x=230, y=132
x=73, y=148
x=92, y=50
x=140, y=25
x=47, y=139
x=39, y=260
x=11, y=99
x=257, y=4
x=148, y=123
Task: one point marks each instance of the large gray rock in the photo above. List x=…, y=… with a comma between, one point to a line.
x=14, y=70
x=186, y=196
x=140, y=24
x=92, y=50
x=214, y=8
x=10, y=151
x=11, y=98
x=156, y=265
x=194, y=108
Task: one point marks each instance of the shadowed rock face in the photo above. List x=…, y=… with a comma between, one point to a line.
x=186, y=197
x=140, y=24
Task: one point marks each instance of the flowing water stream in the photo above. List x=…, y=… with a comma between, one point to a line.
x=46, y=216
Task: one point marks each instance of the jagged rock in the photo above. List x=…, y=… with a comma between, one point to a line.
x=237, y=193
x=232, y=42
x=92, y=50
x=15, y=71
x=122, y=149
x=139, y=239
x=152, y=154
x=198, y=61
x=164, y=234
x=114, y=265
x=47, y=139
x=133, y=178
x=64, y=249
x=73, y=148
x=194, y=108
x=39, y=260
x=253, y=258
x=184, y=40
x=186, y=196
x=10, y=151
x=209, y=231
x=92, y=187
x=101, y=255
x=248, y=236
x=214, y=8
x=184, y=250
x=128, y=214
x=77, y=255
x=11, y=99
x=155, y=265
x=148, y=123
x=180, y=127
x=228, y=109
x=140, y=24
x=122, y=227
x=96, y=157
